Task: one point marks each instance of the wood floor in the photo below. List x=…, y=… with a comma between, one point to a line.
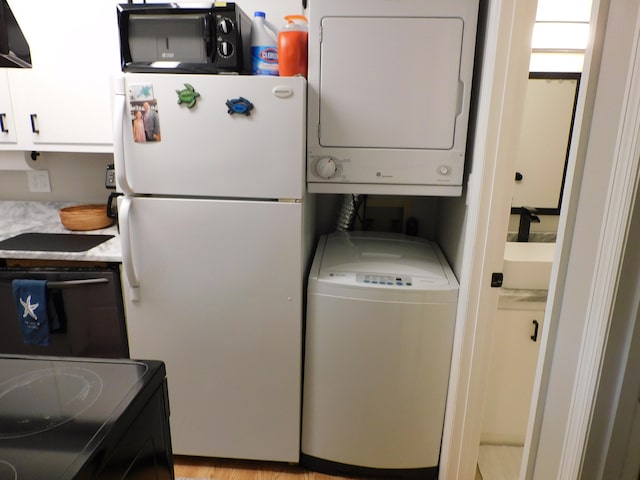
x=218, y=469
x=212, y=468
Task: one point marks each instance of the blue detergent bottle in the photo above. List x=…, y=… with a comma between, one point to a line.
x=264, y=46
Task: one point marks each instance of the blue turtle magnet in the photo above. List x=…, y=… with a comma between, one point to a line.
x=240, y=106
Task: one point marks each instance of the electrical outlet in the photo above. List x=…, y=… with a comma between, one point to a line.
x=110, y=177
x=386, y=214
x=38, y=181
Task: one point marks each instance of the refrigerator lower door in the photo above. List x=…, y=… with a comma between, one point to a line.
x=220, y=302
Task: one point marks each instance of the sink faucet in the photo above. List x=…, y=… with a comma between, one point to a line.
x=527, y=215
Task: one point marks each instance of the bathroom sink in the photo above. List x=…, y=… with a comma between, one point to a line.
x=527, y=265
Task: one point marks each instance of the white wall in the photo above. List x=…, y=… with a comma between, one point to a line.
x=275, y=9
x=74, y=177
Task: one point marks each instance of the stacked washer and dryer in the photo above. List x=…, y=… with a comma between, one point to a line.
x=389, y=90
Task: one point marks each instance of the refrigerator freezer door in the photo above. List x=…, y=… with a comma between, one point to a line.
x=210, y=143
x=220, y=302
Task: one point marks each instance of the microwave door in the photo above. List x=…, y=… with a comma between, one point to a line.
x=154, y=39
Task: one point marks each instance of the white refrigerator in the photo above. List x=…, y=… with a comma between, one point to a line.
x=214, y=246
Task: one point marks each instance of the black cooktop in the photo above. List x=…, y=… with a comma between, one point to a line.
x=53, y=242
x=55, y=411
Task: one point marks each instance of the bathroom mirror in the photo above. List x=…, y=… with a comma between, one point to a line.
x=544, y=141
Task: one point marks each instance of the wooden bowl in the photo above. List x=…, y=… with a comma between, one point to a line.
x=85, y=217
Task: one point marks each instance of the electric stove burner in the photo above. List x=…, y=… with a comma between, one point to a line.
x=45, y=399
x=7, y=471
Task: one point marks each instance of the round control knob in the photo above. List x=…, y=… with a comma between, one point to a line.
x=225, y=25
x=444, y=170
x=326, y=167
x=225, y=49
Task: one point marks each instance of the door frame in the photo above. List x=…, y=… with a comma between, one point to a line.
x=502, y=83
x=599, y=215
x=590, y=244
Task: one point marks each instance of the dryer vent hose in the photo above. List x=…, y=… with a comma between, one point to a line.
x=348, y=210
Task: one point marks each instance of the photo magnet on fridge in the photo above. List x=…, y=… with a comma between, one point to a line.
x=144, y=113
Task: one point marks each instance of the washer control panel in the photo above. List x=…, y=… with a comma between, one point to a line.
x=373, y=279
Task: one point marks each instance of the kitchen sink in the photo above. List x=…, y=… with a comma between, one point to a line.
x=527, y=265
x=53, y=242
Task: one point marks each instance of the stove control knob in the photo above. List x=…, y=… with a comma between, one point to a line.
x=326, y=167
x=225, y=25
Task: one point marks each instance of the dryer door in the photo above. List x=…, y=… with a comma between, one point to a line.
x=390, y=82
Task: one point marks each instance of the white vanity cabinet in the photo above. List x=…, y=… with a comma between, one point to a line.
x=514, y=357
x=63, y=103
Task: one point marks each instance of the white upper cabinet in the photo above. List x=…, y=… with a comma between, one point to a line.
x=63, y=103
x=7, y=125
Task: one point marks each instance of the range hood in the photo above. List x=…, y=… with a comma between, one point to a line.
x=14, y=49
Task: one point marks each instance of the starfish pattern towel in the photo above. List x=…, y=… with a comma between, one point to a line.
x=31, y=304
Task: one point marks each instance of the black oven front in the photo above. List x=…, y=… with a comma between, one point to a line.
x=84, y=312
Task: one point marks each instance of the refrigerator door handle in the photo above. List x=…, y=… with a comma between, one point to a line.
x=119, y=107
x=127, y=259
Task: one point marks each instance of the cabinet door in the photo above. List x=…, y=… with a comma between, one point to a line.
x=58, y=113
x=514, y=357
x=7, y=125
x=64, y=101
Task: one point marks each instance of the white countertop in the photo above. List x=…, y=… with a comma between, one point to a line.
x=43, y=217
x=519, y=299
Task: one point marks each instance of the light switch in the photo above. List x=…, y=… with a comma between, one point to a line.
x=39, y=181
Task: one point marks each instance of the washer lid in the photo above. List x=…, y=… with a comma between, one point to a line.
x=384, y=259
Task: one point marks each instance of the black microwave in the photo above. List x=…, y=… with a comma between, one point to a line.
x=184, y=38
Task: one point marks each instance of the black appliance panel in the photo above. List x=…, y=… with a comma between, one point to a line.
x=70, y=418
x=14, y=48
x=178, y=38
x=88, y=302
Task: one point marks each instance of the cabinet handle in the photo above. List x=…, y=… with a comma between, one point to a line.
x=34, y=123
x=534, y=337
x=3, y=117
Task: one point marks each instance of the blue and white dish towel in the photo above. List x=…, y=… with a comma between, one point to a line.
x=31, y=303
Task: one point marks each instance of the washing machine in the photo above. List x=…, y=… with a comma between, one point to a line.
x=379, y=337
